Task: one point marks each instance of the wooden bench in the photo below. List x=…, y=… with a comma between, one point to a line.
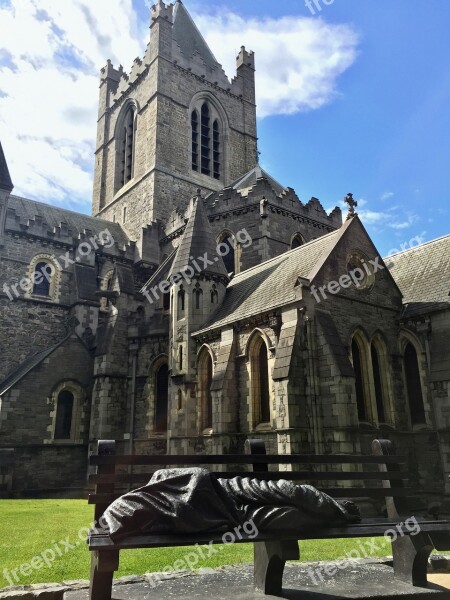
x=271, y=551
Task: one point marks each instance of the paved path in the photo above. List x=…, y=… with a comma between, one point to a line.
x=302, y=582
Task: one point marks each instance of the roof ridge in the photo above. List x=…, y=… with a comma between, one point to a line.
x=15, y=375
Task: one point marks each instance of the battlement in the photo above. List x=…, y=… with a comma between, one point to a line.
x=245, y=58
x=287, y=202
x=109, y=72
x=62, y=228
x=162, y=11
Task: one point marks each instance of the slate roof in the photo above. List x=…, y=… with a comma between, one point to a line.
x=53, y=216
x=249, y=180
x=5, y=178
x=28, y=365
x=423, y=275
x=198, y=241
x=189, y=38
x=272, y=284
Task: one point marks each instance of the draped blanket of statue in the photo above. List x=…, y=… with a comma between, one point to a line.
x=193, y=500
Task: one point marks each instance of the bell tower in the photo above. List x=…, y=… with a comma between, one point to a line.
x=173, y=124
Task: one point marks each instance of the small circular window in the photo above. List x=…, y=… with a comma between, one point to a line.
x=360, y=270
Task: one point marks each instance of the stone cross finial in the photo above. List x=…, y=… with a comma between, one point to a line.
x=352, y=204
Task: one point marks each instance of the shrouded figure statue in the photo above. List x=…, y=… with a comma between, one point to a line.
x=193, y=500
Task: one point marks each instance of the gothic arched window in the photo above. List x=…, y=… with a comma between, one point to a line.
x=413, y=385
x=260, y=381
x=227, y=250
x=198, y=293
x=194, y=126
x=181, y=299
x=205, y=373
x=264, y=385
x=42, y=278
x=214, y=295
x=126, y=147
x=357, y=356
x=162, y=398
x=64, y=414
x=378, y=384
x=297, y=241
x=205, y=140
x=216, y=150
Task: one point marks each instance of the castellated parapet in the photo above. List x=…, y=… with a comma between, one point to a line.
x=245, y=58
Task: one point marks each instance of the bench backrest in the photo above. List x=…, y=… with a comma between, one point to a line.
x=115, y=472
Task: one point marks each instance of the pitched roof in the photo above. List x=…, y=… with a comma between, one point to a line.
x=248, y=180
x=53, y=216
x=198, y=241
x=423, y=275
x=28, y=365
x=5, y=178
x=272, y=284
x=189, y=38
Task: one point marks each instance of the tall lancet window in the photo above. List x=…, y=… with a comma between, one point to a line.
x=194, y=125
x=359, y=381
x=216, y=150
x=413, y=385
x=126, y=150
x=206, y=140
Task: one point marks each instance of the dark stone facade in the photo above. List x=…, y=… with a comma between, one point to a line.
x=100, y=336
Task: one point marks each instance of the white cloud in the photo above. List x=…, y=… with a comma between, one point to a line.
x=49, y=62
x=298, y=59
x=386, y=196
x=391, y=217
x=404, y=224
x=51, y=53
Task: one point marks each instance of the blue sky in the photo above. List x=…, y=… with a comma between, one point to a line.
x=355, y=98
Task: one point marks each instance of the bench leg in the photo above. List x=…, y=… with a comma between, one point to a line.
x=270, y=558
x=103, y=565
x=410, y=554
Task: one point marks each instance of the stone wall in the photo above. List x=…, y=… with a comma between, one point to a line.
x=50, y=471
x=27, y=410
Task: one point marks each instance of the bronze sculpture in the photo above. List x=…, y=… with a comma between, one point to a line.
x=194, y=500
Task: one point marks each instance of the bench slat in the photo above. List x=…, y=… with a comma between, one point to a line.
x=367, y=528
x=242, y=459
x=292, y=475
x=362, y=492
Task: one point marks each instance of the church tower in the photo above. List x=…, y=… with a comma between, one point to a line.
x=174, y=124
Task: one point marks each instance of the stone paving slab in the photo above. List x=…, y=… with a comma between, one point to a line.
x=372, y=580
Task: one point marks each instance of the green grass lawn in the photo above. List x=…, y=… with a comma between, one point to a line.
x=29, y=528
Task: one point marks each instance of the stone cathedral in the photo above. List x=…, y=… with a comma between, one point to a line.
x=203, y=302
